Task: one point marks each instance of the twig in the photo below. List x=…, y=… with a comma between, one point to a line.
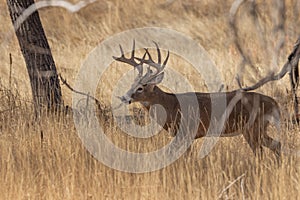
x=64, y=81
x=242, y=188
x=227, y=187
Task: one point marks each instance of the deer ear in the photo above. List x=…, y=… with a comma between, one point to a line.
x=157, y=79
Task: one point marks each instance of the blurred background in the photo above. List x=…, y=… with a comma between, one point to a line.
x=259, y=28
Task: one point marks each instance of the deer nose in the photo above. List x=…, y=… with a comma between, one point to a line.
x=126, y=99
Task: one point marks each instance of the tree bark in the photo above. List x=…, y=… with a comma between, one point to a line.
x=40, y=65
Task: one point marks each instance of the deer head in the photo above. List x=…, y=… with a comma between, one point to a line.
x=142, y=88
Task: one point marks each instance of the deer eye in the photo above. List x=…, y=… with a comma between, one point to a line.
x=140, y=89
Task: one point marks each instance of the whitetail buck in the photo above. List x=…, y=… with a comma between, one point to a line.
x=249, y=115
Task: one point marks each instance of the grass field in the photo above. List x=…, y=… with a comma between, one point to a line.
x=46, y=159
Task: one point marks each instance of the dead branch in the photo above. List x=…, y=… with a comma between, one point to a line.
x=233, y=24
x=290, y=66
x=278, y=18
x=64, y=81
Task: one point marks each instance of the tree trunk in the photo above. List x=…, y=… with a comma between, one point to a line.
x=40, y=65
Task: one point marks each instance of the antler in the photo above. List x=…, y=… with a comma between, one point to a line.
x=139, y=66
x=158, y=66
x=131, y=61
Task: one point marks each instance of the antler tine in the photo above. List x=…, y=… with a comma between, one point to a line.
x=158, y=66
x=150, y=58
x=143, y=58
x=122, y=52
x=166, y=60
x=140, y=67
x=131, y=61
x=158, y=52
x=133, y=49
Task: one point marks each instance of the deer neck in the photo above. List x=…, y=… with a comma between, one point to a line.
x=160, y=97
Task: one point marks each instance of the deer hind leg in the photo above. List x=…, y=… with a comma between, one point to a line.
x=273, y=145
x=269, y=142
x=272, y=117
x=257, y=138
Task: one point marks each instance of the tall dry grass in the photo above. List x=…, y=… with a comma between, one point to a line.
x=46, y=159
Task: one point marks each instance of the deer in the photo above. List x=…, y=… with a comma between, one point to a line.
x=247, y=113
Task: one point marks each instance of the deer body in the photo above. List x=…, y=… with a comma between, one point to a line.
x=236, y=121
x=249, y=113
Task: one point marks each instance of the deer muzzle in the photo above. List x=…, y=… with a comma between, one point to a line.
x=126, y=99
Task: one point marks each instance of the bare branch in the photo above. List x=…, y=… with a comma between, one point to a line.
x=290, y=66
x=278, y=20
x=64, y=81
x=232, y=22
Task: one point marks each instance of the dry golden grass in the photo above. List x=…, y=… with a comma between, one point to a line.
x=46, y=159
x=57, y=166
